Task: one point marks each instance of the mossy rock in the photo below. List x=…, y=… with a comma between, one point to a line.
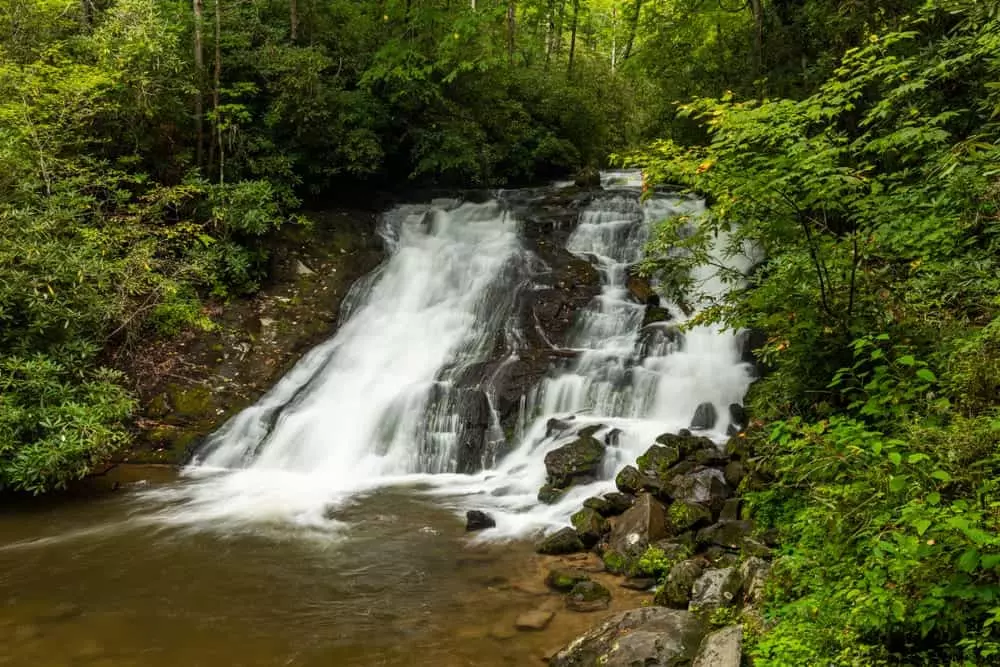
x=629, y=480
x=191, y=403
x=683, y=516
x=655, y=314
x=564, y=579
x=565, y=541
x=588, y=596
x=549, y=494
x=590, y=526
x=658, y=459
x=576, y=462
x=676, y=589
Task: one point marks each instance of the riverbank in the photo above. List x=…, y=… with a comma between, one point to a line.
x=188, y=385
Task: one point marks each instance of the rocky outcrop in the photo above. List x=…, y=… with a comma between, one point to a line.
x=588, y=596
x=649, y=636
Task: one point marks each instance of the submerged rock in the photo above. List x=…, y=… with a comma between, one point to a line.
x=565, y=541
x=588, y=596
x=477, y=520
x=564, y=579
x=651, y=636
x=534, y=620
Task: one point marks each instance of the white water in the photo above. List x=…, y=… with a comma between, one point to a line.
x=365, y=409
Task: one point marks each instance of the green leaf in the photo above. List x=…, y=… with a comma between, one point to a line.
x=907, y=360
x=933, y=498
x=990, y=561
x=897, y=483
x=896, y=458
x=927, y=375
x=968, y=560
x=922, y=525
x=941, y=475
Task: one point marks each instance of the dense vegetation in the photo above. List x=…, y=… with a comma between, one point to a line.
x=876, y=201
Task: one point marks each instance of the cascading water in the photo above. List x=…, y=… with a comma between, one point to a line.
x=386, y=400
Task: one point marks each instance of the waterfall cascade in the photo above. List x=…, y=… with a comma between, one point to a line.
x=388, y=399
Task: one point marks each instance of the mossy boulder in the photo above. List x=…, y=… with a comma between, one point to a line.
x=588, y=596
x=676, y=589
x=658, y=459
x=728, y=534
x=618, y=503
x=590, y=526
x=683, y=516
x=576, y=462
x=564, y=579
x=549, y=494
x=565, y=541
x=629, y=480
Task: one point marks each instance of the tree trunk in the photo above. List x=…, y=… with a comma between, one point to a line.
x=550, y=28
x=758, y=36
x=511, y=28
x=572, y=34
x=216, y=92
x=199, y=73
x=86, y=14
x=633, y=27
x=293, y=10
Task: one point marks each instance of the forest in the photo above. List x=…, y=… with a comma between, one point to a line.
x=149, y=149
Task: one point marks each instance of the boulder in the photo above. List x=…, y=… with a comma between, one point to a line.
x=644, y=523
x=685, y=443
x=612, y=437
x=534, y=620
x=653, y=636
x=590, y=526
x=638, y=286
x=564, y=541
x=753, y=574
x=728, y=534
x=711, y=455
x=588, y=596
x=657, y=460
x=599, y=505
x=476, y=520
x=676, y=589
x=722, y=648
x=751, y=547
x=618, y=503
x=715, y=589
x=705, y=417
x=576, y=462
x=705, y=487
x=638, y=583
x=734, y=472
x=683, y=516
x=629, y=480
x=563, y=579
x=549, y=494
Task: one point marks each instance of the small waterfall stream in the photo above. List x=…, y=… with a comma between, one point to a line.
x=386, y=400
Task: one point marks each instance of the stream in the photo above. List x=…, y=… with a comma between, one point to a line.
x=325, y=524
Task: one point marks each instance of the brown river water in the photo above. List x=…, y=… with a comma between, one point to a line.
x=91, y=581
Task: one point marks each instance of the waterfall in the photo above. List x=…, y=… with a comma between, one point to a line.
x=387, y=399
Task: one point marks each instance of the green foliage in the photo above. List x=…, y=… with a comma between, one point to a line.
x=656, y=563
x=870, y=210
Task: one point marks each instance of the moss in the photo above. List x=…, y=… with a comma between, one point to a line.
x=191, y=402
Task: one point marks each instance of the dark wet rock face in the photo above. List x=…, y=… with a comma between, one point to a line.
x=477, y=520
x=654, y=636
x=476, y=417
x=705, y=417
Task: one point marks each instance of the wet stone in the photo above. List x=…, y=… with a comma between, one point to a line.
x=564, y=579
x=565, y=541
x=534, y=620
x=588, y=596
